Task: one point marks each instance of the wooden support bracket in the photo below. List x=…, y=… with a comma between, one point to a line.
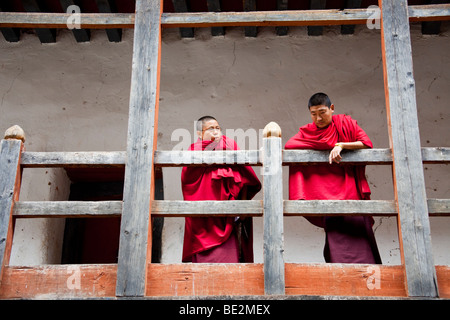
x=135, y=231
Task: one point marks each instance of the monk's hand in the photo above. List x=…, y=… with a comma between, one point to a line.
x=335, y=155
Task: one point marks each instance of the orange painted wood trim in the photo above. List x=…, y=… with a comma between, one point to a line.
x=57, y=281
x=97, y=281
x=205, y=279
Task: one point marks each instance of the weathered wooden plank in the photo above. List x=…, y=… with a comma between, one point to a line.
x=67, y=209
x=10, y=174
x=205, y=279
x=218, y=19
x=194, y=280
x=436, y=155
x=174, y=208
x=362, y=156
x=339, y=207
x=273, y=246
x=59, y=20
x=409, y=183
x=202, y=158
x=72, y=159
x=250, y=208
x=345, y=280
x=160, y=208
x=438, y=207
x=431, y=12
x=266, y=18
x=135, y=231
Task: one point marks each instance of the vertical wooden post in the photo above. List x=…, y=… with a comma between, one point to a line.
x=404, y=137
x=135, y=231
x=10, y=177
x=273, y=211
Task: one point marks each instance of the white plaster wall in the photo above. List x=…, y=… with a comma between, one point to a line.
x=74, y=97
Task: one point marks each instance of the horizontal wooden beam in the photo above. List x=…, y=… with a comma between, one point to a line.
x=339, y=207
x=218, y=19
x=253, y=208
x=173, y=208
x=73, y=159
x=362, y=156
x=67, y=209
x=59, y=281
x=204, y=158
x=185, y=280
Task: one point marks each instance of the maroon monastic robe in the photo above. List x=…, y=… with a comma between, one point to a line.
x=348, y=239
x=217, y=182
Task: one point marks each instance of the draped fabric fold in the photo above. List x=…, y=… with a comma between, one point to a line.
x=348, y=239
x=216, y=182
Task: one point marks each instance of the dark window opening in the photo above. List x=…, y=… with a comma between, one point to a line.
x=96, y=240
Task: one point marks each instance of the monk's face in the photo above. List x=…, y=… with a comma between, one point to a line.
x=321, y=115
x=211, y=130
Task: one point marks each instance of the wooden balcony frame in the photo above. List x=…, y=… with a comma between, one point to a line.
x=135, y=276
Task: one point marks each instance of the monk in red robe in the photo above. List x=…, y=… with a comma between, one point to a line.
x=217, y=239
x=349, y=239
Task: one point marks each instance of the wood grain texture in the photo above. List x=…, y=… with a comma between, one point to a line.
x=404, y=137
x=135, y=230
x=250, y=208
x=170, y=158
x=197, y=280
x=273, y=234
x=217, y=19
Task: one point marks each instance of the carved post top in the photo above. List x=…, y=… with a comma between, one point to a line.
x=15, y=132
x=272, y=130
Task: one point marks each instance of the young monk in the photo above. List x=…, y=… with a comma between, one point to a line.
x=217, y=239
x=349, y=239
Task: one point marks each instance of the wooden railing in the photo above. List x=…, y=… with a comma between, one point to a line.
x=273, y=277
x=134, y=275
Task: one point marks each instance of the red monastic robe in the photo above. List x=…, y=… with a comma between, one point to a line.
x=217, y=182
x=348, y=239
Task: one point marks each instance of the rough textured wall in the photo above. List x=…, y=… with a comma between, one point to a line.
x=74, y=97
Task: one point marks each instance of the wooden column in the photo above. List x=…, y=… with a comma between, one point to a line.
x=10, y=176
x=135, y=247
x=404, y=137
x=273, y=211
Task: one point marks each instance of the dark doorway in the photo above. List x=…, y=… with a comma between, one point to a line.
x=96, y=240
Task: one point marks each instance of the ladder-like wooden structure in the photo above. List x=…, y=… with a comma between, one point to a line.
x=136, y=276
